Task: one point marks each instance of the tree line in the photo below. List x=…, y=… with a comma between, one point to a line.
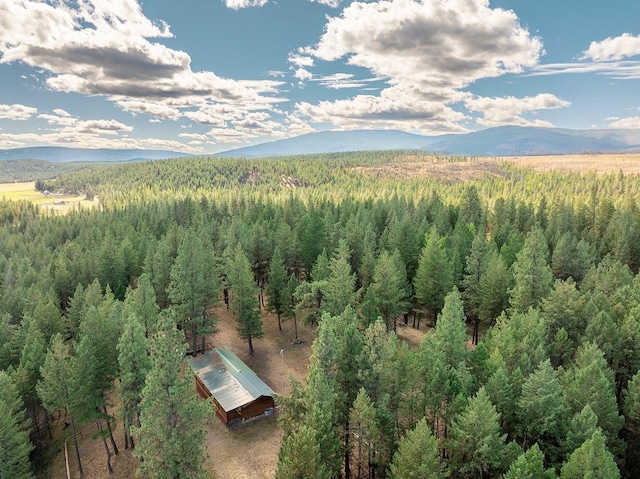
x=543, y=267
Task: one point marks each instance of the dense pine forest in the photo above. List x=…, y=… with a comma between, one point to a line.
x=529, y=283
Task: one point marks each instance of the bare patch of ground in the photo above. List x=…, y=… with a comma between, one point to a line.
x=248, y=452
x=467, y=170
x=475, y=168
x=600, y=164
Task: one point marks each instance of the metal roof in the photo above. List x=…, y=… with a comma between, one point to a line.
x=231, y=382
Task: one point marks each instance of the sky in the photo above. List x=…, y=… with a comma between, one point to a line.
x=202, y=76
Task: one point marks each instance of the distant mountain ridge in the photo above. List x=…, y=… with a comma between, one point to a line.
x=61, y=154
x=498, y=141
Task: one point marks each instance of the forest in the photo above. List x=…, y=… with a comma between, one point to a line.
x=528, y=281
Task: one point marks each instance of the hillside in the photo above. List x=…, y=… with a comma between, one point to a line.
x=63, y=154
x=499, y=141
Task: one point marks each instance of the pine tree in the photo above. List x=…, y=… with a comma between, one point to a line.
x=418, y=456
x=542, y=410
x=476, y=444
x=195, y=286
x=142, y=303
x=529, y=465
x=531, y=272
x=493, y=296
x=592, y=460
x=245, y=298
x=590, y=381
x=434, y=277
x=475, y=267
x=277, y=286
x=364, y=428
x=15, y=445
x=390, y=287
x=300, y=456
x=170, y=439
x=56, y=388
x=339, y=287
x=134, y=364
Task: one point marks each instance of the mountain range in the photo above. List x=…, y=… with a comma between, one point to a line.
x=498, y=141
x=61, y=154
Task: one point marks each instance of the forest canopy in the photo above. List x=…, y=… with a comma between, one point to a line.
x=528, y=281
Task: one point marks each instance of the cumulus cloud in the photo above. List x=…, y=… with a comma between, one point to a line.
x=428, y=50
x=330, y=3
x=629, y=122
x=103, y=48
x=613, y=48
x=238, y=4
x=17, y=112
x=155, y=109
x=509, y=110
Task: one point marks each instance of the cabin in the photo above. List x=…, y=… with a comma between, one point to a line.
x=237, y=392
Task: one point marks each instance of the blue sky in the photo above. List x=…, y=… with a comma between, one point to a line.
x=202, y=76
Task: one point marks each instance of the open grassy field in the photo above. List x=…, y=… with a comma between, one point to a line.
x=59, y=203
x=600, y=164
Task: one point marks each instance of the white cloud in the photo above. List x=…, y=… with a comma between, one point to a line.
x=620, y=70
x=613, y=48
x=302, y=74
x=330, y=3
x=61, y=112
x=393, y=109
x=629, y=122
x=102, y=48
x=17, y=112
x=237, y=4
x=158, y=110
x=339, y=81
x=509, y=110
x=428, y=50
x=300, y=60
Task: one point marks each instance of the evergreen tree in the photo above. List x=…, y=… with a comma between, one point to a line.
x=195, y=286
x=134, y=364
x=590, y=381
x=56, y=388
x=300, y=456
x=520, y=339
x=277, y=286
x=245, y=298
x=142, y=303
x=529, y=465
x=476, y=445
x=531, y=272
x=390, y=287
x=170, y=439
x=592, y=460
x=581, y=428
x=418, y=456
x=15, y=445
x=542, y=410
x=363, y=427
x=339, y=287
x=434, y=277
x=475, y=266
x=493, y=295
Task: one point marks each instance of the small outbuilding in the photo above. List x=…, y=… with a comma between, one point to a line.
x=238, y=393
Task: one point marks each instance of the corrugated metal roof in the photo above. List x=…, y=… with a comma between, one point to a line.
x=231, y=382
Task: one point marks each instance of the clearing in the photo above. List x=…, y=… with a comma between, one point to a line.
x=53, y=201
x=250, y=452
